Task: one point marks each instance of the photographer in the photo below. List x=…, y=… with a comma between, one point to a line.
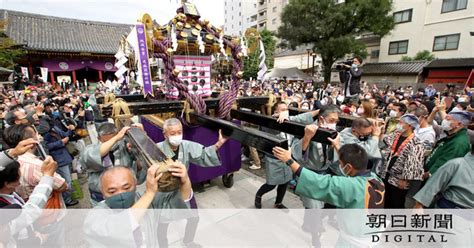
x=56, y=140
x=350, y=75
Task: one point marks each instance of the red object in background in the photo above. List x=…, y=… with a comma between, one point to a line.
x=440, y=76
x=51, y=75
x=74, y=77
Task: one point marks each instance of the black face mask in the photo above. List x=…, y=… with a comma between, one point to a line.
x=364, y=138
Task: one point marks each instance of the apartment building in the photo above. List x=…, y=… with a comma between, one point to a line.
x=239, y=16
x=269, y=14
x=443, y=27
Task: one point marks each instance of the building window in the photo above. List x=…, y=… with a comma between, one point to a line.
x=274, y=9
x=374, y=53
x=446, y=42
x=240, y=13
x=240, y=23
x=398, y=47
x=274, y=21
x=453, y=5
x=403, y=16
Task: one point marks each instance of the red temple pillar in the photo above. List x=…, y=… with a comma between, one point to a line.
x=51, y=75
x=30, y=71
x=74, y=77
x=100, y=75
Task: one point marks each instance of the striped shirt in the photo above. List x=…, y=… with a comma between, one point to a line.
x=32, y=209
x=30, y=169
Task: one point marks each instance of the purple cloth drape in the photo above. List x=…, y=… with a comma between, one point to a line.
x=71, y=65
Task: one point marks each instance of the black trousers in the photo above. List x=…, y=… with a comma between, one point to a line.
x=394, y=197
x=281, y=190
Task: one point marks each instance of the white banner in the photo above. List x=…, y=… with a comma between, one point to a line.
x=121, y=62
x=24, y=70
x=119, y=54
x=119, y=73
x=44, y=74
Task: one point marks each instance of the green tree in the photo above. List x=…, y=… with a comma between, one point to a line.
x=421, y=55
x=9, y=51
x=252, y=61
x=332, y=27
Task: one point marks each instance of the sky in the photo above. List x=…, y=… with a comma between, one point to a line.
x=117, y=11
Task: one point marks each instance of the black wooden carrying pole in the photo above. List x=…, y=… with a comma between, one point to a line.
x=143, y=146
x=290, y=127
x=146, y=108
x=146, y=151
x=262, y=141
x=151, y=106
x=344, y=120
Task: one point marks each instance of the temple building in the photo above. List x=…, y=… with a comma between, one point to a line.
x=69, y=48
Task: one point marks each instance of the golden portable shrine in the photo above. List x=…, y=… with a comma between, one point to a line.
x=184, y=45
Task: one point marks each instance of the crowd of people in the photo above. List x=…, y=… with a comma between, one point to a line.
x=407, y=135
x=411, y=148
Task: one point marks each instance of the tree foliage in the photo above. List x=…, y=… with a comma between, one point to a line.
x=9, y=51
x=252, y=61
x=333, y=27
x=421, y=55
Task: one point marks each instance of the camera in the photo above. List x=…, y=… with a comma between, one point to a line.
x=341, y=65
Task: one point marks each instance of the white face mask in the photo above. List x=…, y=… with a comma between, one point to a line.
x=446, y=125
x=341, y=169
x=175, y=140
x=393, y=113
x=329, y=126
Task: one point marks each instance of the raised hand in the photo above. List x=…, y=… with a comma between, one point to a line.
x=310, y=130
x=49, y=166
x=282, y=154
x=22, y=147
x=283, y=116
x=152, y=179
x=178, y=169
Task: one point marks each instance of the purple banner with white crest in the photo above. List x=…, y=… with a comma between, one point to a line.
x=143, y=56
